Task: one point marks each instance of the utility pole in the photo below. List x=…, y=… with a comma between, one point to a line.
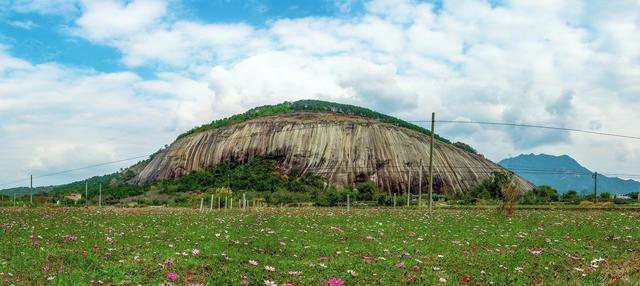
x=100, y=196
x=30, y=189
x=433, y=132
x=409, y=188
x=420, y=185
x=595, y=187
x=86, y=193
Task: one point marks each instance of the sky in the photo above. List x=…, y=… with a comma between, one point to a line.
x=87, y=82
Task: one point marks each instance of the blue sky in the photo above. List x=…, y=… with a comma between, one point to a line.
x=84, y=82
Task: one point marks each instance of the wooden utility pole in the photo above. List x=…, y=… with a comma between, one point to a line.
x=433, y=132
x=595, y=187
x=86, y=193
x=100, y=196
x=420, y=185
x=31, y=190
x=409, y=188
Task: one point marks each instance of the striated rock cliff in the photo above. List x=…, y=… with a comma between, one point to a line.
x=338, y=147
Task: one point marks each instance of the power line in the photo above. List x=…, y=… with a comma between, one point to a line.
x=75, y=169
x=530, y=126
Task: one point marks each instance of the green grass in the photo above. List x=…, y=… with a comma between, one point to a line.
x=307, y=246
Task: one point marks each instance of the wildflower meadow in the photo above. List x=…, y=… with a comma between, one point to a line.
x=317, y=246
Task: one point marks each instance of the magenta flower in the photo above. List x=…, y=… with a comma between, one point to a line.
x=195, y=251
x=73, y=238
x=399, y=265
x=168, y=261
x=333, y=281
x=172, y=276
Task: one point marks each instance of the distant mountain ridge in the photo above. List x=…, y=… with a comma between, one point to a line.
x=565, y=173
x=21, y=191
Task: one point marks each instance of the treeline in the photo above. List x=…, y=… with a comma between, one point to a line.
x=490, y=191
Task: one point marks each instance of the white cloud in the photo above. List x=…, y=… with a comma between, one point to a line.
x=54, y=117
x=45, y=7
x=109, y=20
x=27, y=25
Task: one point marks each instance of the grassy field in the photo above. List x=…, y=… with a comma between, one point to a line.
x=317, y=246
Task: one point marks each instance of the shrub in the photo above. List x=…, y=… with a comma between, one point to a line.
x=366, y=191
x=510, y=197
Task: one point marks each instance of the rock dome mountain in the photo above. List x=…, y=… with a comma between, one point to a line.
x=340, y=143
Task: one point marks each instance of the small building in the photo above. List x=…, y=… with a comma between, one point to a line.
x=616, y=196
x=74, y=197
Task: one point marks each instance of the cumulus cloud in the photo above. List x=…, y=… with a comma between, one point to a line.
x=54, y=117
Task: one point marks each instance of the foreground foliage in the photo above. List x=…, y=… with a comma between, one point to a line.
x=309, y=246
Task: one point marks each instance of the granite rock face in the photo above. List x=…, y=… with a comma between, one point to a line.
x=340, y=148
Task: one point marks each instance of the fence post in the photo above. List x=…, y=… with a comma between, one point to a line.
x=201, y=203
x=211, y=203
x=226, y=199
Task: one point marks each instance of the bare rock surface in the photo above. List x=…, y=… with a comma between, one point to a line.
x=338, y=147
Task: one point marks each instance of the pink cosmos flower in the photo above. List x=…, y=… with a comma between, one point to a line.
x=399, y=265
x=253, y=262
x=270, y=283
x=195, y=251
x=168, y=261
x=269, y=268
x=172, y=276
x=73, y=238
x=333, y=281
x=535, y=252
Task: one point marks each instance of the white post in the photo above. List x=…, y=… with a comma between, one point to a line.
x=226, y=199
x=211, y=203
x=231, y=205
x=348, y=202
x=420, y=186
x=100, y=196
x=409, y=189
x=31, y=191
x=394, y=201
x=201, y=203
x=244, y=201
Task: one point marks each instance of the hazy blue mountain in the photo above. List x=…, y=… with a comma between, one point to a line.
x=564, y=173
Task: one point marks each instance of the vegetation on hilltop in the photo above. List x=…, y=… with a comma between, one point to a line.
x=316, y=106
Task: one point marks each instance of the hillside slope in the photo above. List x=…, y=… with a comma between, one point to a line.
x=341, y=148
x=569, y=174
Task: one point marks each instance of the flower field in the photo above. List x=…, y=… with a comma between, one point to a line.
x=317, y=246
